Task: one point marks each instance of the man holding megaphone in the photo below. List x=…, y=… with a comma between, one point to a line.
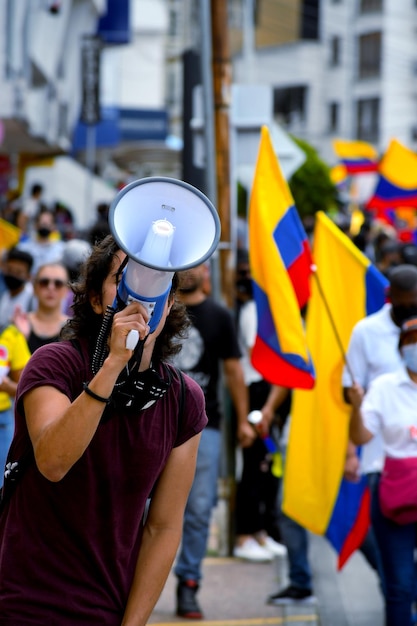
x=100, y=424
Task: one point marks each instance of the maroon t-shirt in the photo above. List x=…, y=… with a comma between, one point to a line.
x=68, y=549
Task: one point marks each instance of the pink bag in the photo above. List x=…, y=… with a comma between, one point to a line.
x=398, y=490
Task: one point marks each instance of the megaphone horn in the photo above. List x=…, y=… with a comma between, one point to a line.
x=164, y=226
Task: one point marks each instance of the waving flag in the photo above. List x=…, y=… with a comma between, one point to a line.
x=280, y=261
x=339, y=175
x=357, y=156
x=315, y=495
x=397, y=182
x=9, y=235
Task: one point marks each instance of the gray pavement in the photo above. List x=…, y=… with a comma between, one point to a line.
x=233, y=592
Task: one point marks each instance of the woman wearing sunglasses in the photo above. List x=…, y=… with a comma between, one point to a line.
x=44, y=324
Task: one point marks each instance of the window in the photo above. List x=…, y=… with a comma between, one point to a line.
x=290, y=103
x=370, y=55
x=173, y=22
x=334, y=110
x=370, y=6
x=335, y=45
x=367, y=120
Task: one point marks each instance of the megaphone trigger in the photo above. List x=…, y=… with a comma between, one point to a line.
x=132, y=339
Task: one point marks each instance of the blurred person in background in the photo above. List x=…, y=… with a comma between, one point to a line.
x=257, y=490
x=44, y=324
x=14, y=354
x=389, y=409
x=389, y=256
x=64, y=221
x=372, y=352
x=31, y=208
x=100, y=228
x=45, y=245
x=16, y=269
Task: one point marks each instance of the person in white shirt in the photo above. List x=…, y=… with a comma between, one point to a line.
x=373, y=351
x=389, y=409
x=373, y=347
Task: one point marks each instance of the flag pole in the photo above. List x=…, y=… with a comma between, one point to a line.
x=333, y=325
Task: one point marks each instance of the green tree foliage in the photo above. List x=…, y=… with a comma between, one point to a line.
x=311, y=186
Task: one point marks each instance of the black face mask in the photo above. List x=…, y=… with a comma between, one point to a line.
x=12, y=282
x=403, y=312
x=44, y=232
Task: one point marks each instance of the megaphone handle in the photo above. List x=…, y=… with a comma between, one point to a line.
x=132, y=339
x=134, y=362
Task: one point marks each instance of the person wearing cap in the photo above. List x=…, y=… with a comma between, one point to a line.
x=389, y=409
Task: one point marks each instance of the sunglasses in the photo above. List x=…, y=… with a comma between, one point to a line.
x=56, y=282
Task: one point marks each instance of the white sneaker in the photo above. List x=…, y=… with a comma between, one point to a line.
x=275, y=548
x=250, y=550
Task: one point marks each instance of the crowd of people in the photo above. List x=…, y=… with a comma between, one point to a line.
x=63, y=419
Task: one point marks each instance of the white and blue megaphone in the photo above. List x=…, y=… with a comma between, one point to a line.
x=164, y=226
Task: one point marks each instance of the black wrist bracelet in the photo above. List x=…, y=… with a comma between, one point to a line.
x=91, y=393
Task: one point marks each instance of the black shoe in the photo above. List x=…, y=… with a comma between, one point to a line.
x=291, y=594
x=187, y=605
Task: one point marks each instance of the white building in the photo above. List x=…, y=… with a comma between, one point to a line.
x=355, y=81
x=40, y=71
x=43, y=107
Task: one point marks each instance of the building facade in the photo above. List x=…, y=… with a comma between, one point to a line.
x=355, y=79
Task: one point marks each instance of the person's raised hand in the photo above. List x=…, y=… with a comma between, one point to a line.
x=133, y=317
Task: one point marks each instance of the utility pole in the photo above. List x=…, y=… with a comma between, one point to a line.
x=222, y=81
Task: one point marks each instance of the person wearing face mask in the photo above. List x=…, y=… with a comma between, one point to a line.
x=16, y=269
x=372, y=351
x=45, y=244
x=388, y=409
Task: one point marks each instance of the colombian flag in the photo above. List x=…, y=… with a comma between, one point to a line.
x=280, y=263
x=339, y=175
x=397, y=183
x=346, y=288
x=357, y=156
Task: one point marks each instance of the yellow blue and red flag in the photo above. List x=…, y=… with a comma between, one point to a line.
x=347, y=287
x=339, y=175
x=9, y=235
x=358, y=157
x=397, y=181
x=280, y=261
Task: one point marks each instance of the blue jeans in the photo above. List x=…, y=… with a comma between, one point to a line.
x=6, y=436
x=396, y=545
x=202, y=499
x=370, y=548
x=295, y=538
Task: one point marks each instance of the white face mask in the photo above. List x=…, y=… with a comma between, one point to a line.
x=409, y=354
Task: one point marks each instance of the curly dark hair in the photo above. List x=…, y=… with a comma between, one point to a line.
x=85, y=323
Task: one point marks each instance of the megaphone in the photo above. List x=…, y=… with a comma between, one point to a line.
x=164, y=226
